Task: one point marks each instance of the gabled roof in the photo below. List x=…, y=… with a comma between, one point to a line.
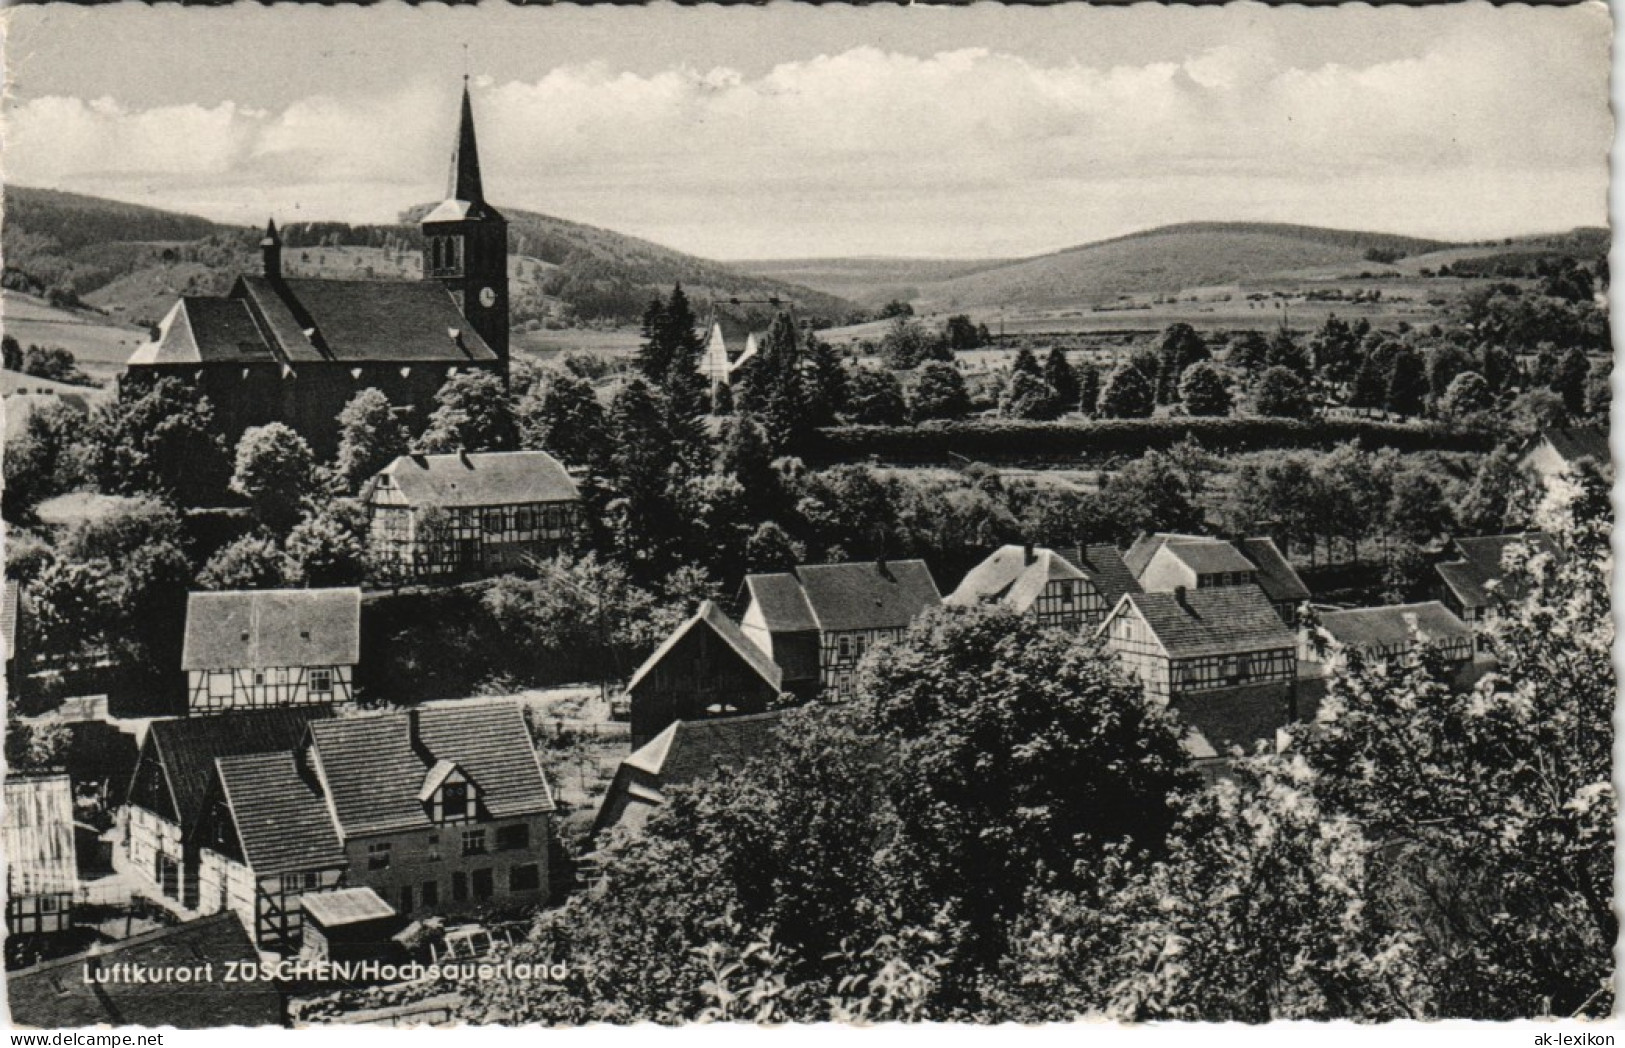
x=1574, y=444
x=373, y=766
x=1223, y=620
x=259, y=629
x=203, y=328
x=1392, y=626
x=1104, y=566
x=1145, y=547
x=1009, y=576
x=281, y=817
x=1209, y=556
x=859, y=595
x=55, y=995
x=691, y=749
x=711, y=617
x=187, y=748
x=1278, y=578
x=36, y=835
x=481, y=478
x=1470, y=577
x=361, y=321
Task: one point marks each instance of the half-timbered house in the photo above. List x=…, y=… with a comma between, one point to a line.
x=1384, y=632
x=438, y=810
x=171, y=779
x=258, y=648
x=1473, y=576
x=1066, y=588
x=1163, y=562
x=42, y=873
x=819, y=620
x=467, y=515
x=1192, y=641
x=705, y=668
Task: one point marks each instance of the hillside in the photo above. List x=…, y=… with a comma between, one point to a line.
x=130, y=262
x=870, y=282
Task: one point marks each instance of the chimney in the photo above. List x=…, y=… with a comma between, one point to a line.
x=462, y=456
x=882, y=567
x=1027, y=553
x=1181, y=595
x=271, y=251
x=414, y=733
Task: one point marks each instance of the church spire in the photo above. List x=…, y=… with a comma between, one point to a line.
x=465, y=162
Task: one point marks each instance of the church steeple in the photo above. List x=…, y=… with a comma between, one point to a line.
x=464, y=183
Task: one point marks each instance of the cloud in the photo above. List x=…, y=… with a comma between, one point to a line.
x=772, y=159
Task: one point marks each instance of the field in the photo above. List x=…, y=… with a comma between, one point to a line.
x=100, y=344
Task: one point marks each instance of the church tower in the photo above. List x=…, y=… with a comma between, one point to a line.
x=465, y=243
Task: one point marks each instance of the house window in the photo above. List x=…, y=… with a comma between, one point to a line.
x=434, y=848
x=454, y=800
x=510, y=838
x=845, y=648
x=484, y=884
x=321, y=682
x=406, y=899
x=378, y=856
x=473, y=842
x=459, y=886
x=526, y=878
x=259, y=679
x=1066, y=594
x=431, y=893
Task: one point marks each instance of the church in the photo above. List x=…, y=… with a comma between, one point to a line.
x=279, y=348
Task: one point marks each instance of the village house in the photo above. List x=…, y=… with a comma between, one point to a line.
x=733, y=337
x=1384, y=632
x=462, y=515
x=279, y=348
x=685, y=752
x=76, y=992
x=1471, y=578
x=1066, y=588
x=1163, y=562
x=166, y=792
x=817, y=621
x=42, y=874
x=255, y=648
x=1556, y=453
x=705, y=668
x=1192, y=641
x=438, y=810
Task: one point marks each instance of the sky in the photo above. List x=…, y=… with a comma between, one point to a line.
x=795, y=131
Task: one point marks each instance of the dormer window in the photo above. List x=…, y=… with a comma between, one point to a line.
x=454, y=800
x=448, y=795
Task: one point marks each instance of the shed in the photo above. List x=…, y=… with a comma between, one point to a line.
x=348, y=924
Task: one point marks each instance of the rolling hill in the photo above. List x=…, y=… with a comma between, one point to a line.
x=870, y=282
x=130, y=262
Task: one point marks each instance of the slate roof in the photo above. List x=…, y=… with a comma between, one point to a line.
x=36, y=835
x=281, y=817
x=1390, y=626
x=1142, y=549
x=208, y=329
x=361, y=321
x=258, y=629
x=188, y=747
x=860, y=595
x=1209, y=556
x=1105, y=567
x=1239, y=717
x=373, y=768
x=1009, y=577
x=691, y=749
x=345, y=906
x=54, y=995
x=1470, y=577
x=1574, y=444
x=489, y=478
x=1217, y=621
x=711, y=617
x=1276, y=576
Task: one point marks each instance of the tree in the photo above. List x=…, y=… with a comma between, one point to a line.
x=46, y=459
x=1088, y=387
x=1063, y=380
x=1599, y=393
x=1281, y=393
x=770, y=548
x=12, y=351
x=1127, y=395
x=562, y=416
x=1284, y=352
x=472, y=413
x=1151, y=493
x=641, y=464
x=1336, y=350
x=896, y=308
x=329, y=547
x=962, y=334
x=157, y=438
x=1248, y=351
x=1417, y=509
x=826, y=382
x=249, y=562
x=1203, y=391
x=1180, y=348
x=1407, y=383
x=907, y=344
x=1569, y=381
x=1028, y=397
x=1444, y=363
x=939, y=392
x=1500, y=369
x=875, y=398
x=774, y=386
x=1467, y=396
x=370, y=438
x=276, y=472
x=1501, y=496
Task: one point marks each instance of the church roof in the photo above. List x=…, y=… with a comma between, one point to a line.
x=363, y=320
x=465, y=190
x=204, y=328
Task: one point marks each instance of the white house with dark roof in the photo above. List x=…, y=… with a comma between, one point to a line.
x=437, y=809
x=1191, y=641
x=469, y=514
x=705, y=668
x=1386, y=632
x=249, y=649
x=733, y=337
x=1065, y=588
x=1163, y=562
x=42, y=873
x=817, y=621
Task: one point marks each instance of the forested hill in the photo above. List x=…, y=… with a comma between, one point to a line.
x=132, y=261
